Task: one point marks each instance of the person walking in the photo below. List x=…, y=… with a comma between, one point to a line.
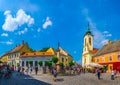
x=36, y=70
x=54, y=74
x=112, y=75
x=30, y=70
x=98, y=73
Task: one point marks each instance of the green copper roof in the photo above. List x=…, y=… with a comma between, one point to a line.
x=88, y=30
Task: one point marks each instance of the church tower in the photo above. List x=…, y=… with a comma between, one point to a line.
x=88, y=47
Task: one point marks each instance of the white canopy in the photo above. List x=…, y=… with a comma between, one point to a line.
x=93, y=65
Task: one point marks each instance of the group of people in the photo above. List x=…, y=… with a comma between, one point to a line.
x=113, y=73
x=27, y=70
x=5, y=71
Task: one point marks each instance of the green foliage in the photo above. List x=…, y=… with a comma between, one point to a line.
x=30, y=62
x=40, y=63
x=61, y=64
x=0, y=61
x=71, y=63
x=105, y=67
x=54, y=59
x=32, y=50
x=48, y=63
x=44, y=49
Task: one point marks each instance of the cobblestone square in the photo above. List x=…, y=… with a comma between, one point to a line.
x=45, y=79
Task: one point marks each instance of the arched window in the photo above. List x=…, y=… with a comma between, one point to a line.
x=85, y=61
x=90, y=41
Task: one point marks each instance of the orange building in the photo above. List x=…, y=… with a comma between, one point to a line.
x=109, y=55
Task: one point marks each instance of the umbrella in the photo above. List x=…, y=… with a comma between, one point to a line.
x=93, y=65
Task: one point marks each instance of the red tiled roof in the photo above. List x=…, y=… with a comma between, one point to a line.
x=94, y=50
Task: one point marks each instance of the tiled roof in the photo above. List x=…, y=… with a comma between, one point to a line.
x=16, y=49
x=94, y=50
x=112, y=47
x=37, y=53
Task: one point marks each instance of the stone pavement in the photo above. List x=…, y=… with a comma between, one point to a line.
x=83, y=79
x=45, y=79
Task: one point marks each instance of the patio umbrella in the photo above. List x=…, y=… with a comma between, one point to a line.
x=93, y=65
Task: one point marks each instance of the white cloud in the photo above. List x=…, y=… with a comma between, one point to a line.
x=38, y=30
x=4, y=34
x=99, y=38
x=23, y=31
x=7, y=42
x=47, y=23
x=107, y=34
x=12, y=23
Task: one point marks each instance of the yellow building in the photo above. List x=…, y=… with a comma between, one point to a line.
x=14, y=54
x=62, y=55
x=109, y=55
x=4, y=58
x=88, y=50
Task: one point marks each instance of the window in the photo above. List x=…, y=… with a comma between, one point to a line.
x=103, y=59
x=97, y=60
x=110, y=58
x=85, y=61
x=90, y=40
x=15, y=55
x=62, y=59
x=118, y=57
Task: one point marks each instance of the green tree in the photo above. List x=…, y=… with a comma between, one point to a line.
x=48, y=63
x=32, y=50
x=0, y=61
x=44, y=49
x=54, y=59
x=40, y=63
x=30, y=62
x=71, y=63
x=61, y=64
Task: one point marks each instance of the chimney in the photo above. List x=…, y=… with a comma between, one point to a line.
x=109, y=42
x=22, y=42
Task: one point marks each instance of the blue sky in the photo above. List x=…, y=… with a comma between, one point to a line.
x=44, y=23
